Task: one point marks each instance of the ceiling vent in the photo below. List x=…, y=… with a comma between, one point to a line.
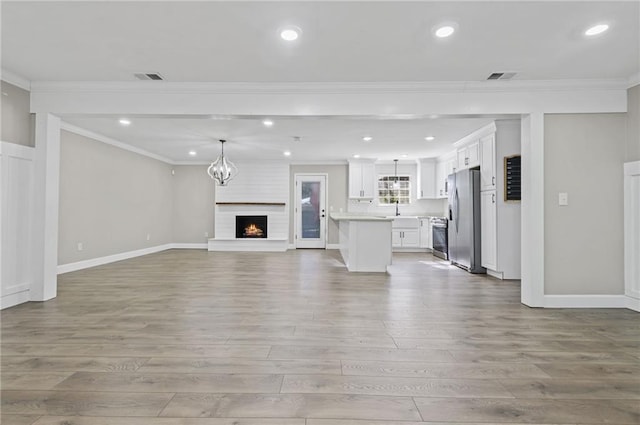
x=501, y=76
x=155, y=76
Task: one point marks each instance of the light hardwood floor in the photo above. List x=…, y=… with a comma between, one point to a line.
x=199, y=338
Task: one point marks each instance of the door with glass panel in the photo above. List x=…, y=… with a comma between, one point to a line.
x=310, y=211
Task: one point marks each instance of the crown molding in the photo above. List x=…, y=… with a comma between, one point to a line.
x=326, y=88
x=109, y=141
x=15, y=79
x=198, y=163
x=328, y=162
x=634, y=80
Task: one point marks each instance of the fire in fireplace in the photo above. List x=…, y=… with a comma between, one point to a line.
x=251, y=226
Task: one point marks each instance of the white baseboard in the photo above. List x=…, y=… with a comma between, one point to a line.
x=291, y=246
x=632, y=303
x=189, y=245
x=585, y=301
x=332, y=246
x=497, y=275
x=93, y=262
x=14, y=299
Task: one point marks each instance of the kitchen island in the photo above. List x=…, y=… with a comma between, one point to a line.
x=365, y=241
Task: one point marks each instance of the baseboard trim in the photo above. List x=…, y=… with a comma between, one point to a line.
x=632, y=303
x=585, y=301
x=332, y=246
x=497, y=275
x=15, y=299
x=93, y=262
x=189, y=245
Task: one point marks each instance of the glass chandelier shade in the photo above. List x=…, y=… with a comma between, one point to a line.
x=222, y=170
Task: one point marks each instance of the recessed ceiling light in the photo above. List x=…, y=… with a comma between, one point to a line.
x=290, y=33
x=193, y=153
x=367, y=138
x=356, y=156
x=404, y=155
x=444, y=31
x=287, y=153
x=429, y=138
x=267, y=123
x=124, y=121
x=596, y=29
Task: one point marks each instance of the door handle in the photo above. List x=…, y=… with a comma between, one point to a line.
x=493, y=198
x=493, y=181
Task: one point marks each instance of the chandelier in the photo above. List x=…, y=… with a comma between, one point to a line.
x=222, y=170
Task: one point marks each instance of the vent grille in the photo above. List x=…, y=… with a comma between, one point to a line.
x=501, y=76
x=155, y=76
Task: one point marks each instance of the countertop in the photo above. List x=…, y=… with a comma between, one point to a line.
x=357, y=217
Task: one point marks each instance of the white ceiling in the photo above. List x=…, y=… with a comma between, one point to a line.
x=237, y=41
x=341, y=41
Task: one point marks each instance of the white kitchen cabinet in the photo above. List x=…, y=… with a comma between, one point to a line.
x=427, y=178
x=405, y=238
x=362, y=179
x=444, y=167
x=489, y=229
x=405, y=233
x=468, y=156
x=488, y=177
x=426, y=236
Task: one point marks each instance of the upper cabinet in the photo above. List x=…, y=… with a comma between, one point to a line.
x=445, y=166
x=362, y=179
x=488, y=177
x=469, y=155
x=427, y=178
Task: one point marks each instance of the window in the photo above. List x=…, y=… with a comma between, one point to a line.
x=392, y=189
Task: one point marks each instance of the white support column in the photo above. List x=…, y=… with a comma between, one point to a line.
x=45, y=230
x=532, y=233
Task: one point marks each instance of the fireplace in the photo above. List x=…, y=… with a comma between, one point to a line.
x=251, y=226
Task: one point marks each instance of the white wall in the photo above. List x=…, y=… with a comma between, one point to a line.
x=428, y=207
x=583, y=156
x=633, y=124
x=193, y=204
x=17, y=126
x=110, y=200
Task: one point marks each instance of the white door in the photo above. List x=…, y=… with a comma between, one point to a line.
x=310, y=213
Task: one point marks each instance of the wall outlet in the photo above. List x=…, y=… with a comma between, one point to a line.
x=563, y=199
x=80, y=246
x=148, y=237
x=206, y=234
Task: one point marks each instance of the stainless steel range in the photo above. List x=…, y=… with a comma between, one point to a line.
x=440, y=237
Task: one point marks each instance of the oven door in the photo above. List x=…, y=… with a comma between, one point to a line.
x=440, y=241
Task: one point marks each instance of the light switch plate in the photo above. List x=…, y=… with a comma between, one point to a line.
x=563, y=199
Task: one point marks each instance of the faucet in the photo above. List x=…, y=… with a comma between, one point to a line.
x=397, y=210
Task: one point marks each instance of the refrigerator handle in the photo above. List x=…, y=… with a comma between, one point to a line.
x=457, y=209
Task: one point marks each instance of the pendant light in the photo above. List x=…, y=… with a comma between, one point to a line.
x=222, y=170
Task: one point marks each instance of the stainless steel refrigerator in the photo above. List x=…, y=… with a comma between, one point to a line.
x=464, y=220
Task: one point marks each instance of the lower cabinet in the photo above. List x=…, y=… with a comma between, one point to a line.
x=488, y=229
x=405, y=238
